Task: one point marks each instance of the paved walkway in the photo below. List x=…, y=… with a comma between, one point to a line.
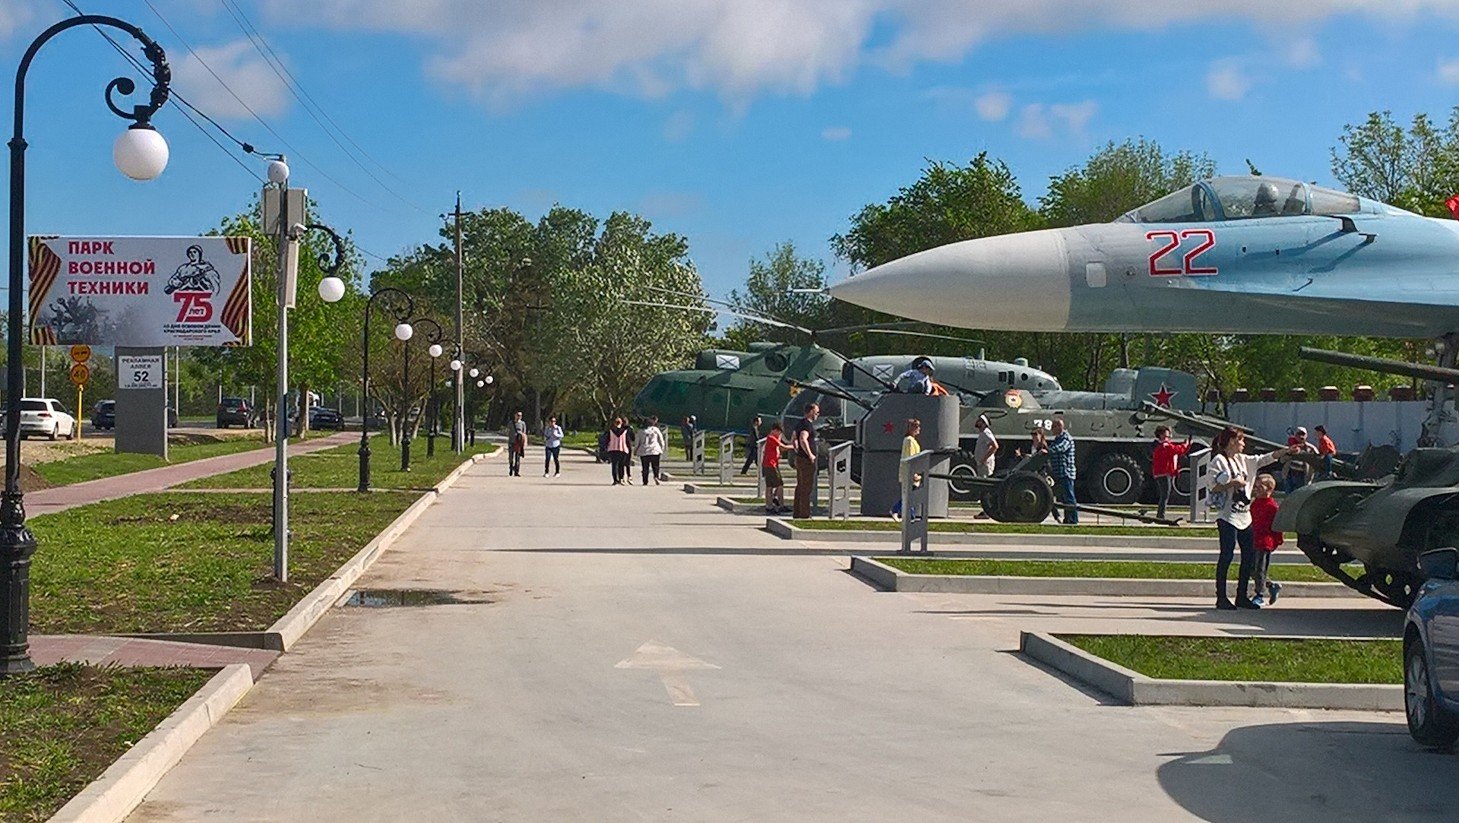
x=629, y=653
x=60, y=498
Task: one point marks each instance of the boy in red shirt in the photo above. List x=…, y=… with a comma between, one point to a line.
x=1326, y=449
x=770, y=468
x=1165, y=465
x=1266, y=541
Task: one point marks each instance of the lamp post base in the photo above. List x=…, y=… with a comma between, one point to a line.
x=405, y=454
x=431, y=444
x=364, y=468
x=17, y=545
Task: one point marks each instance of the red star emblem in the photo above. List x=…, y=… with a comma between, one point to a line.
x=1164, y=396
x=888, y=427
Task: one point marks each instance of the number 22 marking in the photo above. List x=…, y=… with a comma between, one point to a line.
x=1171, y=241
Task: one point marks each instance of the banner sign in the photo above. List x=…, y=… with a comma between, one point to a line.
x=139, y=371
x=140, y=291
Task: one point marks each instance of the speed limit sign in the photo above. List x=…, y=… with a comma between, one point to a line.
x=80, y=373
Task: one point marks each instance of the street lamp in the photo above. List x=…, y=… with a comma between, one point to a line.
x=434, y=334
x=400, y=306
x=434, y=338
x=141, y=154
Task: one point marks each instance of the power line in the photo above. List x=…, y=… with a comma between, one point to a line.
x=307, y=101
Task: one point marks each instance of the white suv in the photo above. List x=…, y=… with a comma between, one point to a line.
x=46, y=416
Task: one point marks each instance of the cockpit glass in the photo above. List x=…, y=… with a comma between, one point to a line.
x=1246, y=197
x=1330, y=201
x=1242, y=198
x=1188, y=205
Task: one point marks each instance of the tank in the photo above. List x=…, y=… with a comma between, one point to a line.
x=1380, y=526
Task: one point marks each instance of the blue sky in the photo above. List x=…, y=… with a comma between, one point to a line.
x=737, y=123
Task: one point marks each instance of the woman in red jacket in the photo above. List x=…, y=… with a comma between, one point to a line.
x=1165, y=465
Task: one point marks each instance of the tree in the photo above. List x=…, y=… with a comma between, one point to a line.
x=1117, y=178
x=1416, y=169
x=768, y=292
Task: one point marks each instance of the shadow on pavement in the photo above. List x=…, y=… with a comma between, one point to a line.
x=1320, y=771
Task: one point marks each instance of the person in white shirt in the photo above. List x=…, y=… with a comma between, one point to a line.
x=651, y=447
x=552, y=440
x=985, y=453
x=1231, y=478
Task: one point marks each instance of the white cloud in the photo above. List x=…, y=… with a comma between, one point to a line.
x=679, y=126
x=13, y=15
x=509, y=49
x=1074, y=115
x=1448, y=71
x=836, y=133
x=993, y=106
x=1227, y=80
x=245, y=73
x=1303, y=53
x=1037, y=121
x=1033, y=122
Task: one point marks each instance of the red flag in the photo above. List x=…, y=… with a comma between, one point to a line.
x=1453, y=204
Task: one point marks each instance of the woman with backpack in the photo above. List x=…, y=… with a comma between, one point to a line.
x=1231, y=476
x=620, y=446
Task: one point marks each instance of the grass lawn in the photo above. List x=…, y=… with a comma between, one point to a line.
x=175, y=562
x=1319, y=660
x=956, y=527
x=62, y=726
x=109, y=464
x=339, y=468
x=1118, y=569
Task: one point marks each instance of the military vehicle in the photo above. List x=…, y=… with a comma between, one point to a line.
x=1114, y=429
x=725, y=389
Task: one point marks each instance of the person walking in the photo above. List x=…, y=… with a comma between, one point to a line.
x=552, y=442
x=1165, y=466
x=752, y=450
x=518, y=445
x=770, y=467
x=910, y=448
x=1263, y=514
x=1061, y=468
x=1231, y=479
x=985, y=453
x=651, y=447
x=804, y=442
x=620, y=446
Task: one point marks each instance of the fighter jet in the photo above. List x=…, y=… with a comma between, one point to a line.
x=1250, y=255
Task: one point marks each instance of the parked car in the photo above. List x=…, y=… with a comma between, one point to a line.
x=323, y=417
x=234, y=411
x=45, y=415
x=1431, y=652
x=104, y=414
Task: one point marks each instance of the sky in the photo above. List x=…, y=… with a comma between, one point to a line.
x=738, y=124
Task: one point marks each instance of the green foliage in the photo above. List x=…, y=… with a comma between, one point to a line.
x=1416, y=169
x=767, y=292
x=1117, y=178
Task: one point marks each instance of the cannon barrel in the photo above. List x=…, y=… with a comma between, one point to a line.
x=1382, y=365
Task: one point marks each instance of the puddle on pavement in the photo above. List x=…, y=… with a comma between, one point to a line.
x=388, y=598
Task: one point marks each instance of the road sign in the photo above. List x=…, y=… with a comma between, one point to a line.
x=80, y=373
x=80, y=353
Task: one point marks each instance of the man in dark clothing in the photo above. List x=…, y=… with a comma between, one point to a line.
x=805, y=460
x=752, y=448
x=1061, y=468
x=686, y=429
x=518, y=445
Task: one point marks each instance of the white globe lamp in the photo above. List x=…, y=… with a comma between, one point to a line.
x=140, y=153
x=475, y=372
x=480, y=383
x=489, y=378
x=403, y=331
x=435, y=350
x=278, y=172
x=455, y=365
x=331, y=289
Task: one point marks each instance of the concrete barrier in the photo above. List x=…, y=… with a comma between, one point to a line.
x=1054, y=536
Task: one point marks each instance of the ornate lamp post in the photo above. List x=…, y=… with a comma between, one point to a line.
x=141, y=154
x=399, y=305
x=434, y=335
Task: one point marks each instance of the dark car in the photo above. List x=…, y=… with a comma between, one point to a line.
x=234, y=411
x=323, y=417
x=104, y=414
x=1431, y=652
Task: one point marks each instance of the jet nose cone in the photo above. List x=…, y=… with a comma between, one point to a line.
x=1015, y=282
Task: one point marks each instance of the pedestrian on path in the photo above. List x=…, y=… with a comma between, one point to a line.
x=753, y=449
x=517, y=447
x=805, y=460
x=770, y=467
x=651, y=447
x=1061, y=468
x=620, y=446
x=1232, y=475
x=1165, y=465
x=1263, y=513
x=910, y=448
x=552, y=442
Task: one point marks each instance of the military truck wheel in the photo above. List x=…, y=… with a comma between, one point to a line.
x=1118, y=479
x=1025, y=497
x=960, y=469
x=1428, y=723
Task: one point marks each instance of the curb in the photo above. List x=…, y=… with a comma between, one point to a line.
x=782, y=528
x=1136, y=689
x=125, y=783
x=892, y=579
x=287, y=630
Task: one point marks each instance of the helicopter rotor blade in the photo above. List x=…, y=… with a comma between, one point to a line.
x=709, y=310
x=870, y=326
x=925, y=334
x=731, y=308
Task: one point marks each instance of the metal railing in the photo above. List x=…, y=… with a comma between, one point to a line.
x=727, y=458
x=839, y=504
x=699, y=452
x=914, y=498
x=1200, y=471
x=760, y=468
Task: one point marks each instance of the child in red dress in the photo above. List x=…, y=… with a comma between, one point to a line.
x=1263, y=512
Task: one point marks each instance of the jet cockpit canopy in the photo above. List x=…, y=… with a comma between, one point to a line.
x=1245, y=197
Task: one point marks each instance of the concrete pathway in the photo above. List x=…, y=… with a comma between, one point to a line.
x=629, y=653
x=60, y=498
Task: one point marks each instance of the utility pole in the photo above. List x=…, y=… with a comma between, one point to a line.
x=290, y=210
x=43, y=376
x=458, y=430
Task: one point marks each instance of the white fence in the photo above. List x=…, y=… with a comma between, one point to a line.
x=1351, y=424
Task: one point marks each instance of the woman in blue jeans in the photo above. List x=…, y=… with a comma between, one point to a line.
x=552, y=441
x=1232, y=474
